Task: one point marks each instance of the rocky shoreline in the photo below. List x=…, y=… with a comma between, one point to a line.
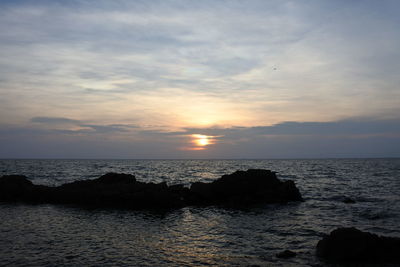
x=239, y=189
x=123, y=190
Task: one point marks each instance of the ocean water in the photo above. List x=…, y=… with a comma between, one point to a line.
x=53, y=235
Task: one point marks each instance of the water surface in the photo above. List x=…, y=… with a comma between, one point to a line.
x=49, y=235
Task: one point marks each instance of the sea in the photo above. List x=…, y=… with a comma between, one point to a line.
x=62, y=235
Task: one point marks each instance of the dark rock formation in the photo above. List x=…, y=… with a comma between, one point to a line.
x=246, y=187
x=286, y=254
x=122, y=190
x=19, y=188
x=353, y=245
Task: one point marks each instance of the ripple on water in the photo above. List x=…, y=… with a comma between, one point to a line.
x=198, y=236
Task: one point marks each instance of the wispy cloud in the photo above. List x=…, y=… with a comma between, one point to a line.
x=267, y=67
x=348, y=128
x=108, y=128
x=63, y=125
x=54, y=120
x=278, y=57
x=350, y=138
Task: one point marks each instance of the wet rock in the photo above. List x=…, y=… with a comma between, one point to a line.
x=353, y=245
x=123, y=190
x=13, y=187
x=245, y=187
x=116, y=178
x=19, y=188
x=286, y=254
x=14, y=180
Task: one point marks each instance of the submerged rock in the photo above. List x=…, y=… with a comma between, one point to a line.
x=353, y=245
x=123, y=190
x=286, y=254
x=348, y=200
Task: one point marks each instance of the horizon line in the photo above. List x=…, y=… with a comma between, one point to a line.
x=304, y=158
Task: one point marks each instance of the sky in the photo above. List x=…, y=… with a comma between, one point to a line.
x=199, y=79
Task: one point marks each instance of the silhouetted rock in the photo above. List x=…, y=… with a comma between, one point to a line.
x=245, y=187
x=286, y=254
x=353, y=245
x=13, y=187
x=116, y=178
x=122, y=190
x=18, y=188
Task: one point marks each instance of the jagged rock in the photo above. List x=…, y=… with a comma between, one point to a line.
x=19, y=188
x=116, y=178
x=123, y=190
x=120, y=190
x=15, y=180
x=353, y=245
x=246, y=187
x=286, y=254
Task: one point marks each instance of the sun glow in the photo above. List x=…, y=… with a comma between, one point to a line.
x=200, y=141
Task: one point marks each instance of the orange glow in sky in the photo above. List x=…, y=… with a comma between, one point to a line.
x=200, y=141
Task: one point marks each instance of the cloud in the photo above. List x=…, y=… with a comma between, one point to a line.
x=350, y=127
x=327, y=66
x=108, y=128
x=277, y=69
x=54, y=120
x=350, y=138
x=63, y=126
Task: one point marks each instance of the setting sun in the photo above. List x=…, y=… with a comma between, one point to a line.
x=201, y=140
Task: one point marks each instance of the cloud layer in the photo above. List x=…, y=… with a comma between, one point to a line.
x=250, y=71
x=349, y=138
